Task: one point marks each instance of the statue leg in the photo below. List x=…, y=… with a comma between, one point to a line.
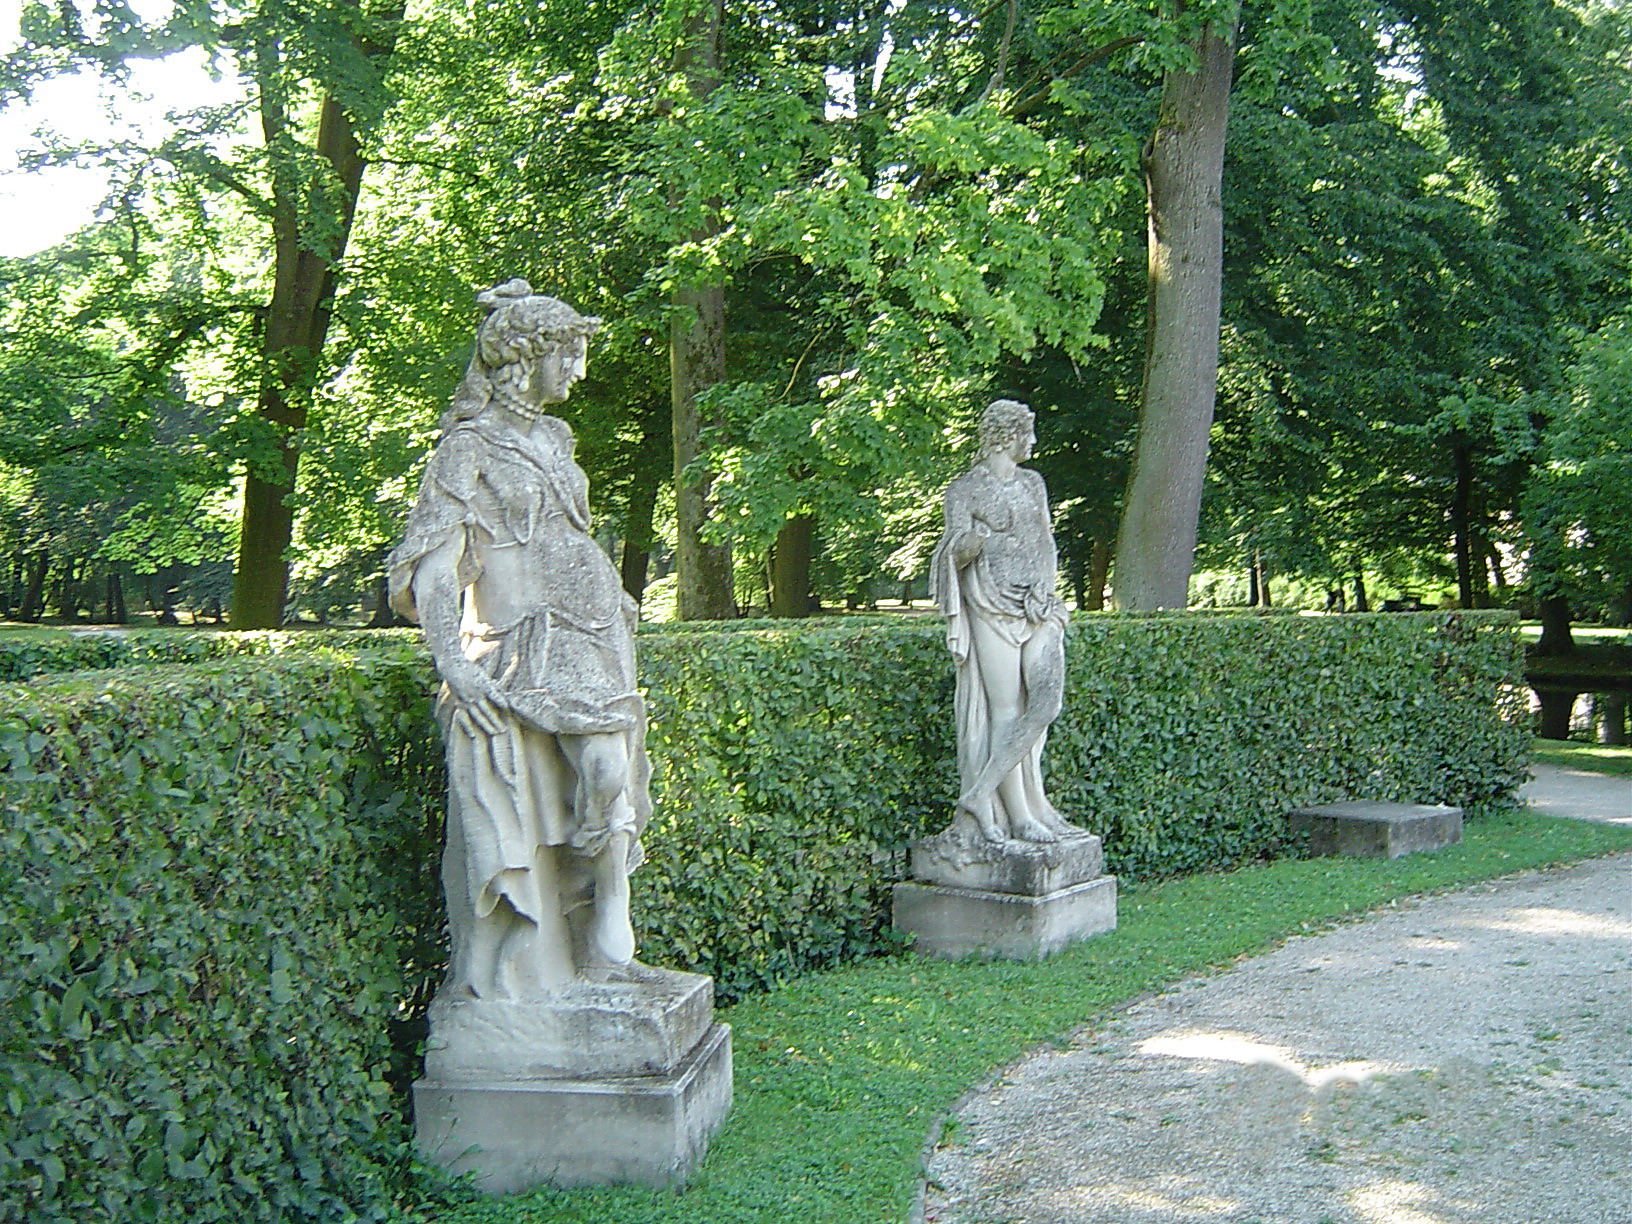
x=997, y=797
x=1024, y=688
x=602, y=765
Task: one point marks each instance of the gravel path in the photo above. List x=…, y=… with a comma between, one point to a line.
x=1466, y=1059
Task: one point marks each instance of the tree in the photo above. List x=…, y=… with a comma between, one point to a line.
x=1184, y=165
x=314, y=76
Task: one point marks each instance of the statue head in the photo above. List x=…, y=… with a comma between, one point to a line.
x=530, y=349
x=1004, y=423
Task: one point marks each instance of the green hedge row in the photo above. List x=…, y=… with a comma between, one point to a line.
x=218, y=886
x=26, y=655
x=208, y=915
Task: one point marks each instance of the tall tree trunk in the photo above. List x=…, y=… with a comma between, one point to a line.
x=68, y=590
x=1553, y=719
x=116, y=613
x=1252, y=581
x=790, y=567
x=1555, y=627
x=1184, y=171
x=1462, y=523
x=33, y=605
x=306, y=249
x=1498, y=576
x=637, y=541
x=697, y=362
x=1099, y=572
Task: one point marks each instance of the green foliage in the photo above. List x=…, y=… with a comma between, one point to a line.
x=220, y=885
x=26, y=655
x=208, y=922
x=1187, y=738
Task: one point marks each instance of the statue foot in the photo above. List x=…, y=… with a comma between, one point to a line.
x=984, y=817
x=1028, y=829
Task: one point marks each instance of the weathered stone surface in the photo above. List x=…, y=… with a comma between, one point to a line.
x=553, y=1055
x=1377, y=830
x=994, y=575
x=533, y=636
x=518, y=1134
x=1026, y=868
x=955, y=922
x=618, y=1029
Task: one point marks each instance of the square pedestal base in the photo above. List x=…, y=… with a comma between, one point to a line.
x=518, y=1134
x=1377, y=830
x=954, y=922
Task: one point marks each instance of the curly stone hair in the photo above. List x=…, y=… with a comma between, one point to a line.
x=1003, y=421
x=519, y=325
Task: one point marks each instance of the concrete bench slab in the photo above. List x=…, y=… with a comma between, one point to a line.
x=1377, y=830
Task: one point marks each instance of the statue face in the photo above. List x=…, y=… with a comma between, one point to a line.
x=1020, y=448
x=552, y=374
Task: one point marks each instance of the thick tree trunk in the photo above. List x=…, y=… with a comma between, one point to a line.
x=68, y=590
x=1555, y=627
x=790, y=567
x=697, y=362
x=1553, y=720
x=306, y=249
x=33, y=605
x=1184, y=169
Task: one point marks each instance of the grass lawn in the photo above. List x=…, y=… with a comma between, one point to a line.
x=1598, y=758
x=840, y=1075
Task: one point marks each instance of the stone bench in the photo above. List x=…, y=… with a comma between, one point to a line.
x=1377, y=830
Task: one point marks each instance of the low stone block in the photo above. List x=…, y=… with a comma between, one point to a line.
x=953, y=922
x=1377, y=830
x=1032, y=869
x=606, y=1130
x=625, y=1028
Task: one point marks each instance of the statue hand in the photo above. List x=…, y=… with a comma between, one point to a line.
x=971, y=542
x=481, y=700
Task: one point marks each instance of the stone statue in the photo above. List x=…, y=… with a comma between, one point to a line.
x=993, y=575
x=533, y=636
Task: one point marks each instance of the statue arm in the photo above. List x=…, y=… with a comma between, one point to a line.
x=438, y=596
x=966, y=534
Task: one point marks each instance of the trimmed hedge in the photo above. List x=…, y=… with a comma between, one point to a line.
x=218, y=884
x=208, y=914
x=30, y=654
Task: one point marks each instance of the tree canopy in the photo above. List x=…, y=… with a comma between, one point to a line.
x=822, y=237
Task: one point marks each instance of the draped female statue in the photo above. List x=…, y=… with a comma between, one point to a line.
x=533, y=637
x=993, y=575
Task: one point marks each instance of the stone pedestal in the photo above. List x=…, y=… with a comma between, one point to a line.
x=1013, y=899
x=1377, y=830
x=604, y=1083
